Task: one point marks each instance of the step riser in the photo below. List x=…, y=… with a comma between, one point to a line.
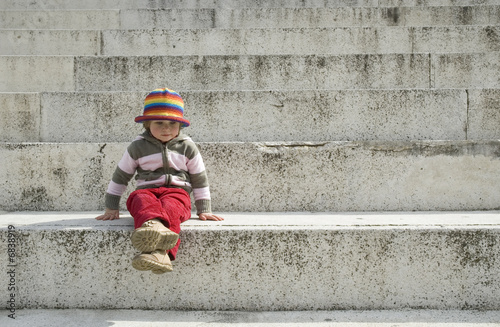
x=318, y=177
x=262, y=269
x=336, y=41
x=38, y=73
x=250, y=18
x=126, y=4
x=354, y=71
x=310, y=17
x=301, y=41
x=59, y=19
x=389, y=115
x=28, y=74
x=26, y=42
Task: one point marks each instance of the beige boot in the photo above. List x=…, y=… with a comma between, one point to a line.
x=157, y=261
x=153, y=235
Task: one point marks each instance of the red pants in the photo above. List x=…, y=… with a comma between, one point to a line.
x=171, y=205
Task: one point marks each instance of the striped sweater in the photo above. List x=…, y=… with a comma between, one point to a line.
x=177, y=163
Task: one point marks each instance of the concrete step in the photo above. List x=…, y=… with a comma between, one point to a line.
x=260, y=262
x=247, y=72
x=347, y=40
x=337, y=41
x=272, y=176
x=60, y=19
x=337, y=318
x=153, y=4
x=50, y=42
x=311, y=17
x=308, y=115
x=257, y=17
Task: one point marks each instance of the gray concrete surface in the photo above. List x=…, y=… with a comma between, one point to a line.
x=305, y=41
x=309, y=17
x=341, y=40
x=138, y=318
x=21, y=117
x=256, y=17
x=36, y=73
x=432, y=219
x=44, y=19
x=263, y=261
x=128, y=4
x=483, y=114
x=390, y=115
x=334, y=115
x=49, y=42
x=292, y=72
x=257, y=72
x=260, y=262
x=267, y=176
x=67, y=73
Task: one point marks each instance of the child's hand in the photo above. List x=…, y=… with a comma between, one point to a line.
x=109, y=214
x=209, y=216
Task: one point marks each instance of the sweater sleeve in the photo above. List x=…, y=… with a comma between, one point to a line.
x=199, y=182
x=121, y=177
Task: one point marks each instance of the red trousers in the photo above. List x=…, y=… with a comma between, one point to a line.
x=171, y=205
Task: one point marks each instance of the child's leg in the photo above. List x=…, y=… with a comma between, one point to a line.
x=171, y=206
x=144, y=205
x=177, y=206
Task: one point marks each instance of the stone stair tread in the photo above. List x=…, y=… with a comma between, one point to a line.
x=273, y=176
x=125, y=4
x=27, y=220
x=250, y=17
x=250, y=72
x=261, y=41
x=339, y=318
x=282, y=264
x=333, y=115
x=381, y=207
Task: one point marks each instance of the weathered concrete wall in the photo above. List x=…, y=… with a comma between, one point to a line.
x=82, y=263
x=256, y=17
x=252, y=72
x=280, y=115
x=484, y=114
x=379, y=83
x=36, y=73
x=44, y=19
x=124, y=4
x=466, y=70
x=309, y=17
x=349, y=115
x=21, y=116
x=341, y=40
x=328, y=176
x=386, y=71
x=46, y=42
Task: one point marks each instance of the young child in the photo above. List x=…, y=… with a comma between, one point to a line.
x=168, y=166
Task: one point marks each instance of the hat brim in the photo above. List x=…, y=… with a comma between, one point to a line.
x=184, y=122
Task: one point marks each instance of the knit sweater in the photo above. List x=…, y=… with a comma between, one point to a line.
x=177, y=164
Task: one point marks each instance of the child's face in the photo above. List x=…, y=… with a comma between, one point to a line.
x=164, y=130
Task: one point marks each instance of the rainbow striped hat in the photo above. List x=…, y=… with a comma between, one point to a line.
x=163, y=104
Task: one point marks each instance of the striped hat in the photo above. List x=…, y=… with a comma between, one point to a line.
x=163, y=104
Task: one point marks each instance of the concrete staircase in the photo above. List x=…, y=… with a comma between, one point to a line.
x=352, y=146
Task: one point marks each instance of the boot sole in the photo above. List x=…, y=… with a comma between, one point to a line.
x=143, y=264
x=148, y=239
